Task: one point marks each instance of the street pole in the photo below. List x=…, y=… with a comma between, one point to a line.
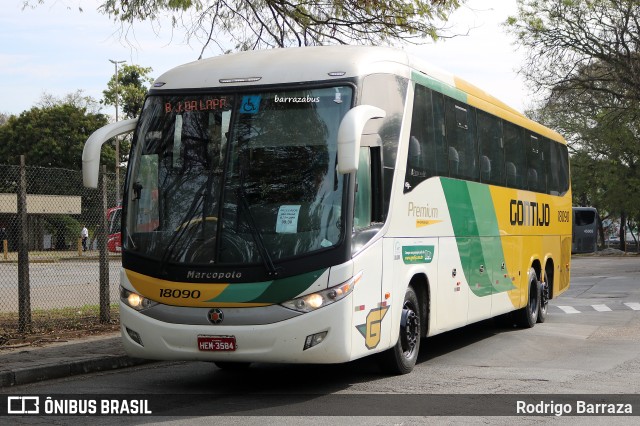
x=117, y=138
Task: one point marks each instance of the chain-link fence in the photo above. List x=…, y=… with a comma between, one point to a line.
x=50, y=276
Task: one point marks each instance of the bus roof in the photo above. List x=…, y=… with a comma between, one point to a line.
x=325, y=63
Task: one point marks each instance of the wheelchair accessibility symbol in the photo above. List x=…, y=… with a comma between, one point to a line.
x=250, y=104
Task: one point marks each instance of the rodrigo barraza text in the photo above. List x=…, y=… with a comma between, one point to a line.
x=578, y=407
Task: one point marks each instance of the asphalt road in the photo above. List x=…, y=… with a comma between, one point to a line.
x=593, y=348
x=57, y=284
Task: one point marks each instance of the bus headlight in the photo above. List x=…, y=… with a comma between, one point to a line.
x=135, y=300
x=320, y=299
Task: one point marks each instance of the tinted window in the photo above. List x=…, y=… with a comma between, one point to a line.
x=460, y=130
x=515, y=156
x=387, y=92
x=427, y=154
x=536, y=171
x=491, y=149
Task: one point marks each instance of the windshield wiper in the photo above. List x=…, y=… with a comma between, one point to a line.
x=185, y=224
x=257, y=236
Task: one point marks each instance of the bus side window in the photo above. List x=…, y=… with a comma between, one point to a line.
x=515, y=156
x=461, y=135
x=558, y=168
x=427, y=154
x=563, y=160
x=553, y=180
x=536, y=169
x=491, y=149
x=363, y=204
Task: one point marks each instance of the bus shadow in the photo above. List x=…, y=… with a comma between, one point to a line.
x=276, y=389
x=451, y=341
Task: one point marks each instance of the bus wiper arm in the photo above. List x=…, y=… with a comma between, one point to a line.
x=257, y=236
x=188, y=217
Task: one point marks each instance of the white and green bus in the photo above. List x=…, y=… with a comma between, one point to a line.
x=322, y=204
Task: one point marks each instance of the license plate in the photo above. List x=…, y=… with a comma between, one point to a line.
x=217, y=343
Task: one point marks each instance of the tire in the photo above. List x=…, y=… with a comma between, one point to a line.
x=544, y=301
x=232, y=366
x=401, y=358
x=528, y=316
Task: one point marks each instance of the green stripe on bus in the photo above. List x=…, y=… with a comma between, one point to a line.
x=477, y=236
x=288, y=288
x=439, y=86
x=275, y=291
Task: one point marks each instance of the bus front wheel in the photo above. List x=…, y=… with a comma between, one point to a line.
x=401, y=358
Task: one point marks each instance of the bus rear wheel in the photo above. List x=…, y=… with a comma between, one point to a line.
x=401, y=358
x=544, y=301
x=545, y=292
x=528, y=316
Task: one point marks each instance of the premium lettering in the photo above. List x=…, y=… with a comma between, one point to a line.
x=422, y=211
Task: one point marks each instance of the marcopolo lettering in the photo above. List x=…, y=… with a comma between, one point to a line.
x=214, y=275
x=529, y=213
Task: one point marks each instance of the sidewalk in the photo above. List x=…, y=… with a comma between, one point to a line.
x=32, y=364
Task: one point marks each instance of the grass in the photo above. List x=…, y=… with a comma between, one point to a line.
x=55, y=255
x=54, y=325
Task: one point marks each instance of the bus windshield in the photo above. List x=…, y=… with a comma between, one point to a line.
x=236, y=178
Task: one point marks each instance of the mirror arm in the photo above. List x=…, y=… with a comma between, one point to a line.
x=350, y=134
x=91, y=151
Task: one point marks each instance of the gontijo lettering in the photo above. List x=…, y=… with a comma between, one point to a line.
x=529, y=213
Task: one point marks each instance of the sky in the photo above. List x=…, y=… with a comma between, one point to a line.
x=56, y=49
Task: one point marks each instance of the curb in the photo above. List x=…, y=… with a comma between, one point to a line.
x=25, y=376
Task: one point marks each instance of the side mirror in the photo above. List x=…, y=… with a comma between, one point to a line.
x=91, y=152
x=350, y=134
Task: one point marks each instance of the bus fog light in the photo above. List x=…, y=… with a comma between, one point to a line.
x=135, y=336
x=314, y=339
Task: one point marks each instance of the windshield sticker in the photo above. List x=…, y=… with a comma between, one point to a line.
x=287, y=222
x=250, y=104
x=417, y=254
x=325, y=243
x=199, y=105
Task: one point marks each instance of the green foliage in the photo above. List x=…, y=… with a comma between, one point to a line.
x=280, y=23
x=581, y=45
x=64, y=228
x=51, y=136
x=131, y=89
x=584, y=54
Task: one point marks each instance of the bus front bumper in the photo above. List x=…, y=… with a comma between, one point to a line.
x=280, y=342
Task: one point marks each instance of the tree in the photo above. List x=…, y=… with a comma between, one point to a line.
x=250, y=24
x=605, y=154
x=131, y=89
x=77, y=99
x=585, y=56
x=51, y=136
x=588, y=46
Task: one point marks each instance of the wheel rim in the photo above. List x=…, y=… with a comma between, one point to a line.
x=410, y=331
x=544, y=297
